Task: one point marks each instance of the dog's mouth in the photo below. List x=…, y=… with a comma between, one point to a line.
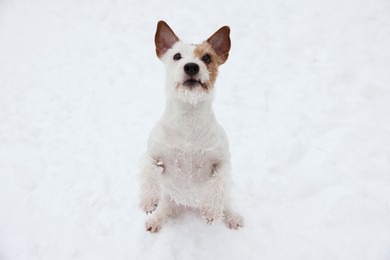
x=192, y=83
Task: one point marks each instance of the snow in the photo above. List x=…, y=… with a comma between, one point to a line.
x=304, y=98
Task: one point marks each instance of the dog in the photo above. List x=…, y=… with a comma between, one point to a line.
x=187, y=162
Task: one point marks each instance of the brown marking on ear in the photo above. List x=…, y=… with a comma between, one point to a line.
x=212, y=67
x=164, y=39
x=220, y=41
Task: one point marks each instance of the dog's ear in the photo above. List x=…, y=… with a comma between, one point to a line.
x=220, y=41
x=164, y=39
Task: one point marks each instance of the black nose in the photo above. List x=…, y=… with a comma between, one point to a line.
x=191, y=69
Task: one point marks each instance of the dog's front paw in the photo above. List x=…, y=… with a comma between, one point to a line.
x=148, y=205
x=153, y=225
x=210, y=214
x=160, y=165
x=233, y=221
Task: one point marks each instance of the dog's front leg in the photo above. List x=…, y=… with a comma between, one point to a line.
x=212, y=205
x=150, y=188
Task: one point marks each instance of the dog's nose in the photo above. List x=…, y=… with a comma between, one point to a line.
x=191, y=69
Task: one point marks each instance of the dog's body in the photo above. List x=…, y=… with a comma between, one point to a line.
x=188, y=159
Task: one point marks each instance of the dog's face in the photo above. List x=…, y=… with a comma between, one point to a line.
x=191, y=69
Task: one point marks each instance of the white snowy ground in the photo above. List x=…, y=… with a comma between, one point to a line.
x=304, y=98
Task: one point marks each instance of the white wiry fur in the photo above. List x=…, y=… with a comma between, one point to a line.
x=188, y=159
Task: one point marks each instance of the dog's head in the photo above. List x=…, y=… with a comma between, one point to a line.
x=191, y=69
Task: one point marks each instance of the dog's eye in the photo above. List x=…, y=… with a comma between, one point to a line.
x=177, y=56
x=206, y=59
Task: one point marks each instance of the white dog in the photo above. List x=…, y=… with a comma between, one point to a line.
x=188, y=159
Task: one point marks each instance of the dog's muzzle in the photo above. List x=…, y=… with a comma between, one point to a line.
x=192, y=69
x=192, y=83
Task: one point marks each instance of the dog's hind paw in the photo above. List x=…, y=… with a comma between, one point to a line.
x=233, y=221
x=210, y=215
x=153, y=226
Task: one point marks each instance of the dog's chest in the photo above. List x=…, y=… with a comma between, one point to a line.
x=187, y=171
x=190, y=153
x=189, y=148
x=188, y=163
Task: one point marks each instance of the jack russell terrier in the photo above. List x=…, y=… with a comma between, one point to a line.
x=188, y=160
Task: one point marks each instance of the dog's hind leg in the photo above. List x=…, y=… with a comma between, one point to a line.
x=221, y=187
x=212, y=206
x=150, y=188
x=164, y=210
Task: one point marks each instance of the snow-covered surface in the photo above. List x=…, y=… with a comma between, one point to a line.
x=304, y=98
